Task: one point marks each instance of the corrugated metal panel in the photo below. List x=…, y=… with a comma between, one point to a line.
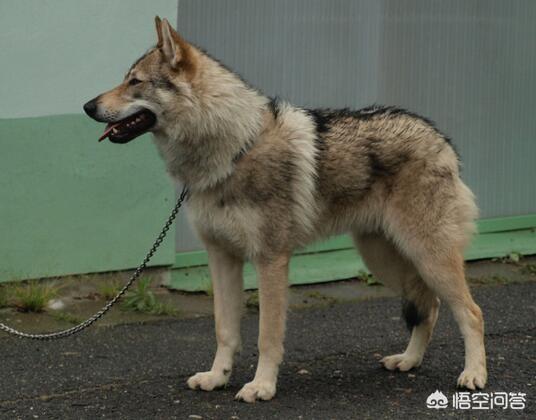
x=468, y=65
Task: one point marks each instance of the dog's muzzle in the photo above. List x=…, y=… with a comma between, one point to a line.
x=90, y=108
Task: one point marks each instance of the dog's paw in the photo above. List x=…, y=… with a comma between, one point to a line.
x=256, y=390
x=402, y=362
x=473, y=379
x=207, y=381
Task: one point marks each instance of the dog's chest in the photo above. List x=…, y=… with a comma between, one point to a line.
x=238, y=226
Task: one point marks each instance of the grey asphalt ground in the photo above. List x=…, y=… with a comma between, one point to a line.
x=331, y=369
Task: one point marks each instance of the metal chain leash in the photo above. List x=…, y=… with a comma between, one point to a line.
x=83, y=325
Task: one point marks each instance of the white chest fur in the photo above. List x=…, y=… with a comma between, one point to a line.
x=236, y=225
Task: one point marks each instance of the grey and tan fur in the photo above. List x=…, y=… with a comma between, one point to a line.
x=267, y=177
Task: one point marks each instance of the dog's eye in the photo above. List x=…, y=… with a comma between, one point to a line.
x=133, y=82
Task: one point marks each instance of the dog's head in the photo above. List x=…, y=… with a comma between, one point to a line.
x=157, y=85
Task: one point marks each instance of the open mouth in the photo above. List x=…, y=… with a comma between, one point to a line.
x=130, y=127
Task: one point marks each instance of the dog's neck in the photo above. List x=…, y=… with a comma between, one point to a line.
x=222, y=122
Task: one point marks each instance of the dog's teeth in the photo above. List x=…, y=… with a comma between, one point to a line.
x=114, y=130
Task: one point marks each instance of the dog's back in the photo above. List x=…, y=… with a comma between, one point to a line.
x=375, y=162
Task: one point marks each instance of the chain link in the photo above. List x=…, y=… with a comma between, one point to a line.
x=83, y=325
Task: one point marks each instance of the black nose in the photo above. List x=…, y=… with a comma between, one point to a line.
x=91, y=108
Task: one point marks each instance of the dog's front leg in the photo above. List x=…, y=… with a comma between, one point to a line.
x=272, y=277
x=227, y=283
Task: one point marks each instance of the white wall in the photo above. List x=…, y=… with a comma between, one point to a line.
x=72, y=50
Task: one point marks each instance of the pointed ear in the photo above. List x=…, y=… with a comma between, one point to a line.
x=176, y=50
x=158, y=24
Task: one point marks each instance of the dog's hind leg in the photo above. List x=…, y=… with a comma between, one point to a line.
x=420, y=305
x=444, y=274
x=227, y=283
x=430, y=220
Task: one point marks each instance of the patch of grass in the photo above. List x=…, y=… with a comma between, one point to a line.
x=475, y=280
x=4, y=296
x=368, y=278
x=529, y=269
x=66, y=317
x=210, y=289
x=142, y=299
x=315, y=294
x=371, y=281
x=252, y=300
x=500, y=280
x=512, y=258
x=490, y=280
x=33, y=296
x=108, y=290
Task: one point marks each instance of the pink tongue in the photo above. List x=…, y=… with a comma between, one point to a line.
x=109, y=128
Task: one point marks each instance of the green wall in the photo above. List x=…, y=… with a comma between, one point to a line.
x=70, y=204
x=337, y=259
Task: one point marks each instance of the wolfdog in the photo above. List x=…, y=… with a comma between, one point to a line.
x=266, y=178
